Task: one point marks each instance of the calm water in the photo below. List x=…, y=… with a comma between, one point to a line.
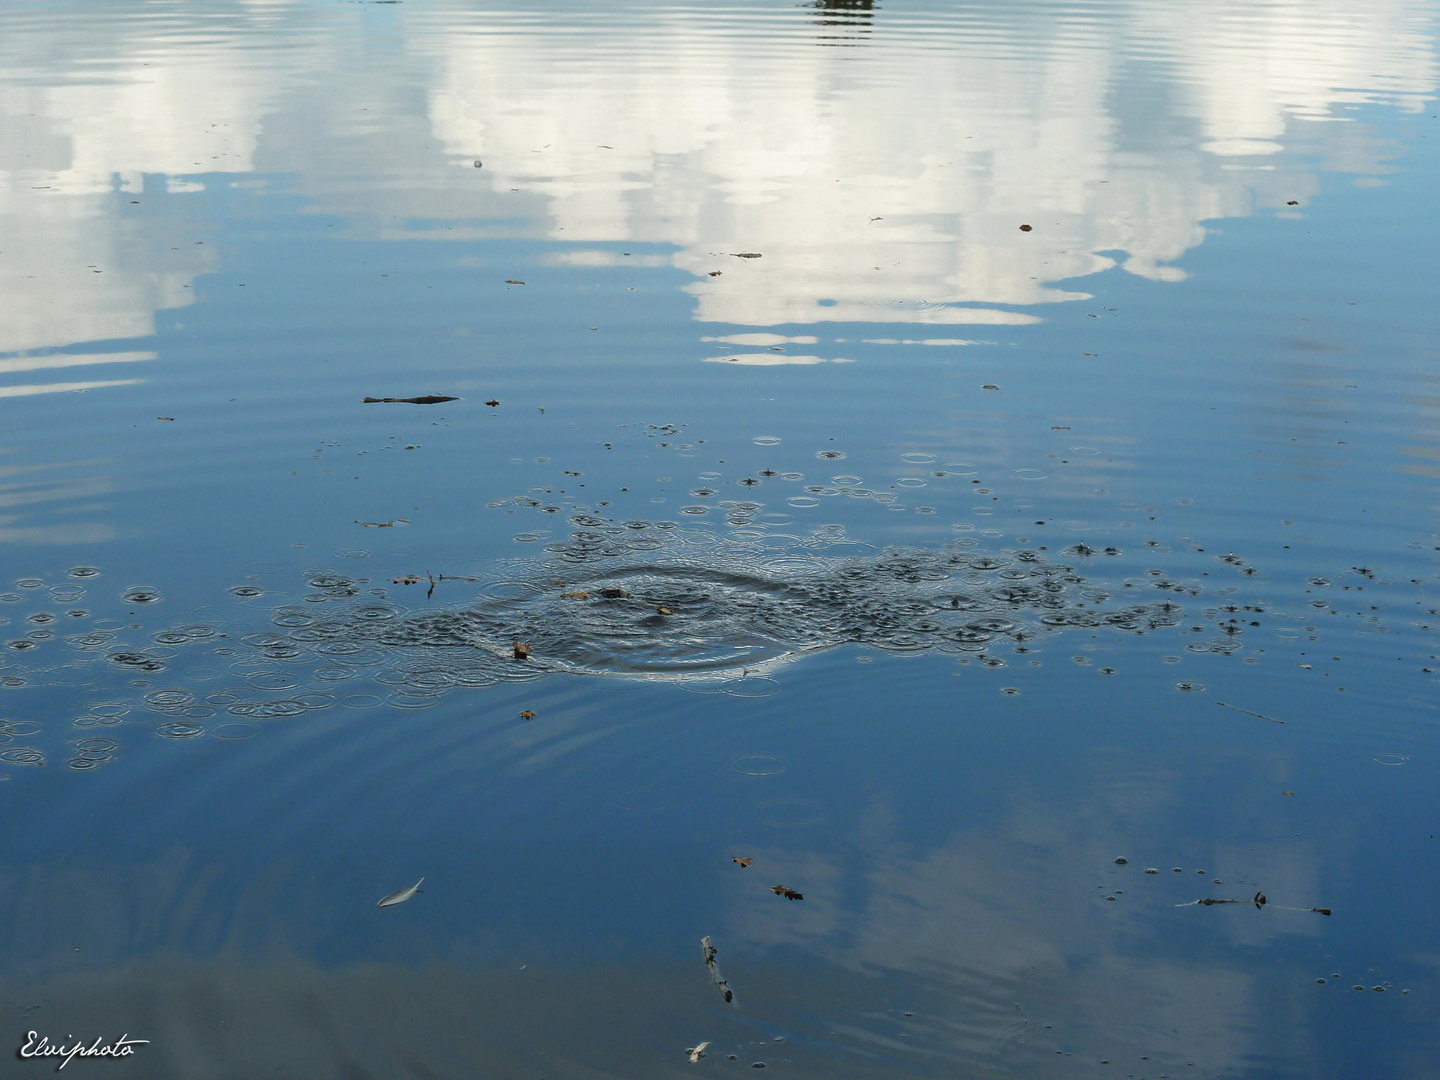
x=978, y=462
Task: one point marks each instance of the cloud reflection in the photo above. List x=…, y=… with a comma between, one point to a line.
x=884, y=183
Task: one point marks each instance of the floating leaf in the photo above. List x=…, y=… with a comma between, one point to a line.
x=510, y=281
x=742, y=862
x=716, y=273
x=401, y=896
x=522, y=651
x=492, y=403
x=663, y=610
x=697, y=1052
x=409, y=579
x=1024, y=228
x=789, y=894
x=574, y=596
x=989, y=386
x=526, y=714
x=383, y=524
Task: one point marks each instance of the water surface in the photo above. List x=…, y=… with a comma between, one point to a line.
x=935, y=452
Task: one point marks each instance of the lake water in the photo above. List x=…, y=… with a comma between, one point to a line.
x=977, y=462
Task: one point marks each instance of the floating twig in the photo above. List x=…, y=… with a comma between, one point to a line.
x=426, y=399
x=1258, y=900
x=715, y=977
x=383, y=524
x=1247, y=712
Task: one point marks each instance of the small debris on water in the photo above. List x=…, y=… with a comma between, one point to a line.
x=789, y=894
x=574, y=596
x=1292, y=202
x=401, y=896
x=710, y=952
x=716, y=273
x=509, y=281
x=383, y=524
x=522, y=651
x=1025, y=228
x=170, y=418
x=697, y=1052
x=1121, y=861
x=741, y=862
x=426, y=399
x=663, y=610
x=409, y=579
x=526, y=714
x=1247, y=712
x=1151, y=870
x=492, y=403
x=746, y=254
x=989, y=386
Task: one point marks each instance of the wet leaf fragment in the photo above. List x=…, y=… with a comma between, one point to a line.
x=522, y=651
x=1025, y=228
x=408, y=579
x=989, y=386
x=663, y=610
x=716, y=273
x=574, y=596
x=383, y=524
x=426, y=399
x=741, y=862
x=788, y=894
x=697, y=1052
x=401, y=896
x=509, y=281
x=492, y=403
x=527, y=714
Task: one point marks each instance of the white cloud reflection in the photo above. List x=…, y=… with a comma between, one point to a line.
x=881, y=183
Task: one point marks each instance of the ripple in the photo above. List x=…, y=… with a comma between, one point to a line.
x=84, y=571
x=917, y=458
x=22, y=755
x=1382, y=759
x=141, y=594
x=791, y=813
x=235, y=730
x=1028, y=474
x=758, y=765
x=180, y=729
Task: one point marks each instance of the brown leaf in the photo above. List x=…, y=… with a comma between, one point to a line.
x=742, y=862
x=663, y=610
x=1024, y=228
x=522, y=651
x=1293, y=202
x=509, y=281
x=409, y=579
x=574, y=596
x=526, y=714
x=557, y=581
x=789, y=894
x=716, y=273
x=492, y=403
x=989, y=386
